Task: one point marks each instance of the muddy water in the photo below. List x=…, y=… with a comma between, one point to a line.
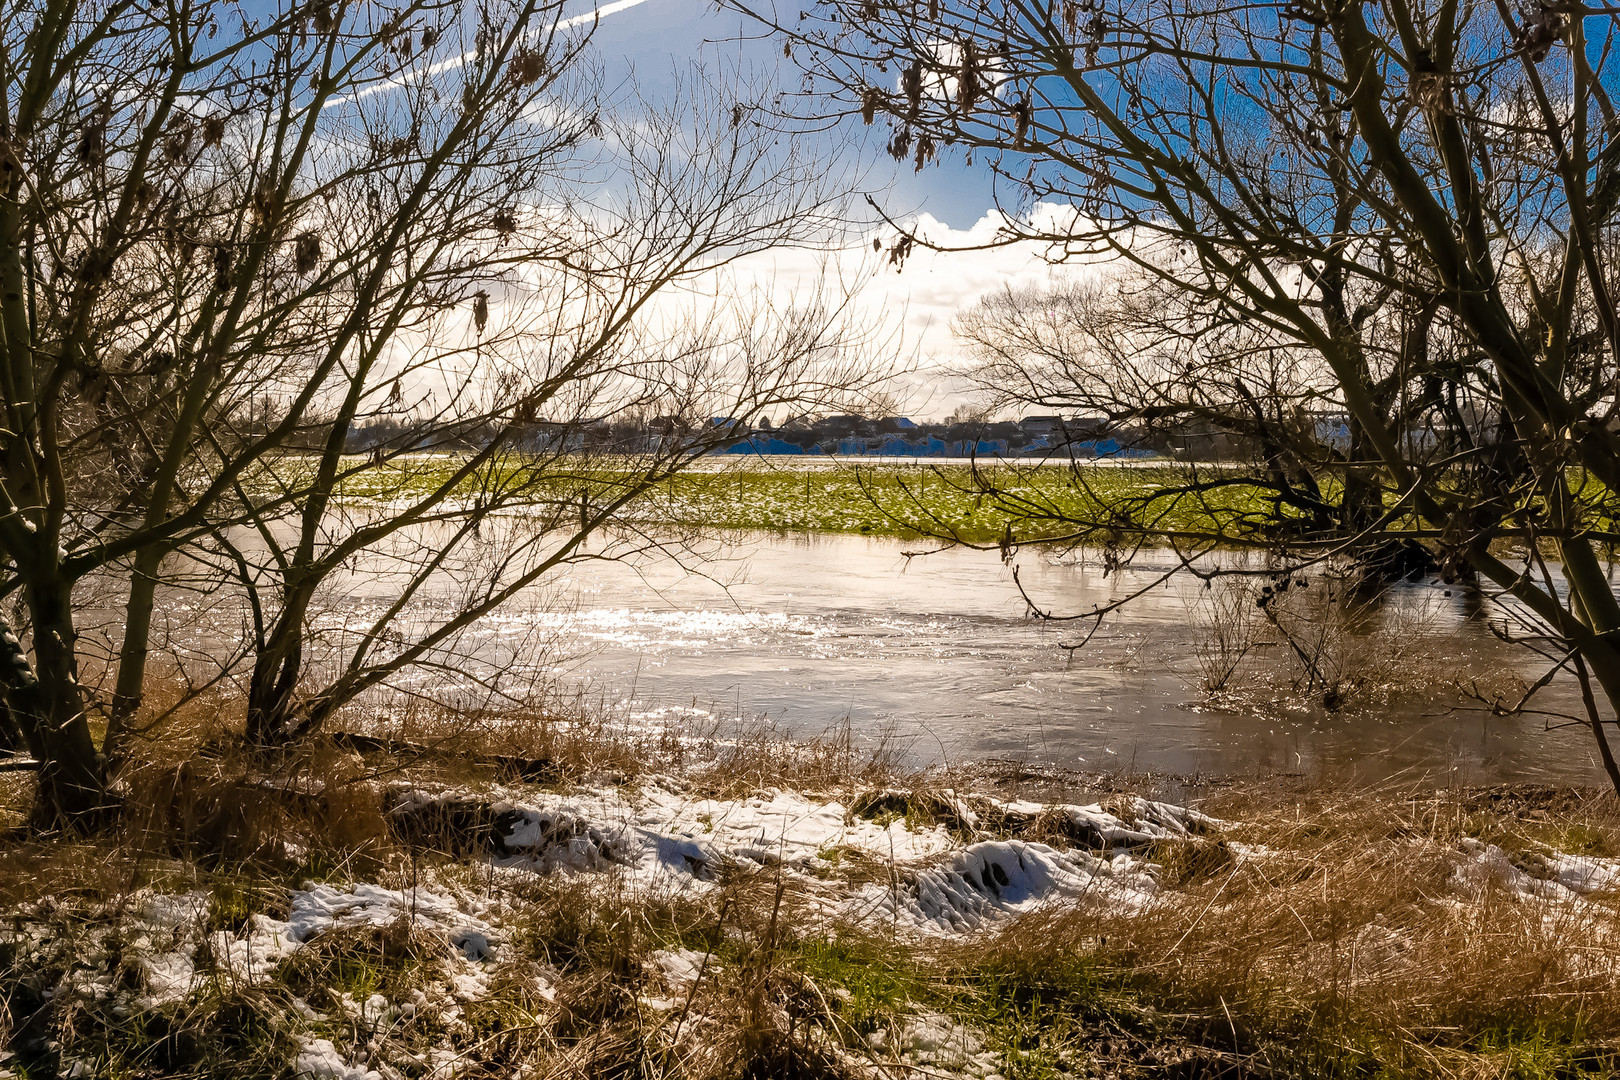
x=939, y=652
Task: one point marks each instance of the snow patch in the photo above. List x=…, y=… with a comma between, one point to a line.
x=318, y=909
x=1538, y=875
x=170, y=933
x=996, y=878
x=660, y=836
x=680, y=967
x=1583, y=873
x=318, y=1059
x=1098, y=828
x=931, y=1044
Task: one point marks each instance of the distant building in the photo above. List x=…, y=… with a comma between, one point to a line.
x=1042, y=425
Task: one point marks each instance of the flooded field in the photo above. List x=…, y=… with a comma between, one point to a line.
x=939, y=652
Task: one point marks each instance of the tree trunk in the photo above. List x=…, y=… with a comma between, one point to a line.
x=272, y=690
x=1604, y=663
x=1592, y=600
x=1359, y=503
x=132, y=655
x=1605, y=751
x=46, y=701
x=11, y=738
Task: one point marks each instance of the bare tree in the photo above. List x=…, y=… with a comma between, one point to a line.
x=1419, y=198
x=227, y=238
x=1131, y=358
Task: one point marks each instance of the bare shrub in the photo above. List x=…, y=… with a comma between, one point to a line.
x=1351, y=642
x=1344, y=642
x=1230, y=627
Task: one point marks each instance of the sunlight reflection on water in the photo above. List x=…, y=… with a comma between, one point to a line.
x=814, y=630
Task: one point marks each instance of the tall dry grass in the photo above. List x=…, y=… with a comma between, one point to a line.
x=1351, y=936
x=1325, y=932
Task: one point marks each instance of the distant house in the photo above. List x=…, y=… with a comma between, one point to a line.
x=1333, y=429
x=837, y=428
x=1038, y=426
x=900, y=436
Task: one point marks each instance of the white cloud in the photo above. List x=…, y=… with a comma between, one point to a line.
x=923, y=295
x=907, y=310
x=453, y=63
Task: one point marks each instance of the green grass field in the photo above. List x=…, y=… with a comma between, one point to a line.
x=876, y=498
x=898, y=500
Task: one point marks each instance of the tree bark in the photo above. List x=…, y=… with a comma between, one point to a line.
x=132, y=655
x=11, y=738
x=272, y=689
x=48, y=707
x=1605, y=751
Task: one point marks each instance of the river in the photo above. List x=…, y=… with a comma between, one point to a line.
x=939, y=652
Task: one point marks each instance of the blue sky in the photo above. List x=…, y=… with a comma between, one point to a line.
x=656, y=37
x=948, y=202
x=651, y=44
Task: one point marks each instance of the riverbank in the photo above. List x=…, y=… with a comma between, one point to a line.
x=946, y=499
x=866, y=496
x=514, y=897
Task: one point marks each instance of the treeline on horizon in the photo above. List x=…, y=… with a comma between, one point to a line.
x=842, y=434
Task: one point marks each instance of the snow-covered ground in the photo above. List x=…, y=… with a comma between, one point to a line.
x=940, y=879
x=965, y=865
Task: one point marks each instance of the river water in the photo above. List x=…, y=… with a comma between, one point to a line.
x=939, y=652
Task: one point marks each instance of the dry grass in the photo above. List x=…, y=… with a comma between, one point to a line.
x=1348, y=947
x=1323, y=933
x=566, y=741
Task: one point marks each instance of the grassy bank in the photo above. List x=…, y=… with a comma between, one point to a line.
x=529, y=896
x=891, y=500
x=850, y=496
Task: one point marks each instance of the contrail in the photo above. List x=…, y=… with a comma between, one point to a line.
x=467, y=57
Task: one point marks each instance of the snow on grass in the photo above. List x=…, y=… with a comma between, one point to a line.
x=165, y=937
x=1096, y=827
x=1584, y=873
x=938, y=880
x=922, y=866
x=659, y=838
x=659, y=835
x=680, y=967
x=167, y=928
x=1550, y=875
x=989, y=880
x=320, y=1060
x=932, y=1044
x=677, y=971
x=322, y=908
